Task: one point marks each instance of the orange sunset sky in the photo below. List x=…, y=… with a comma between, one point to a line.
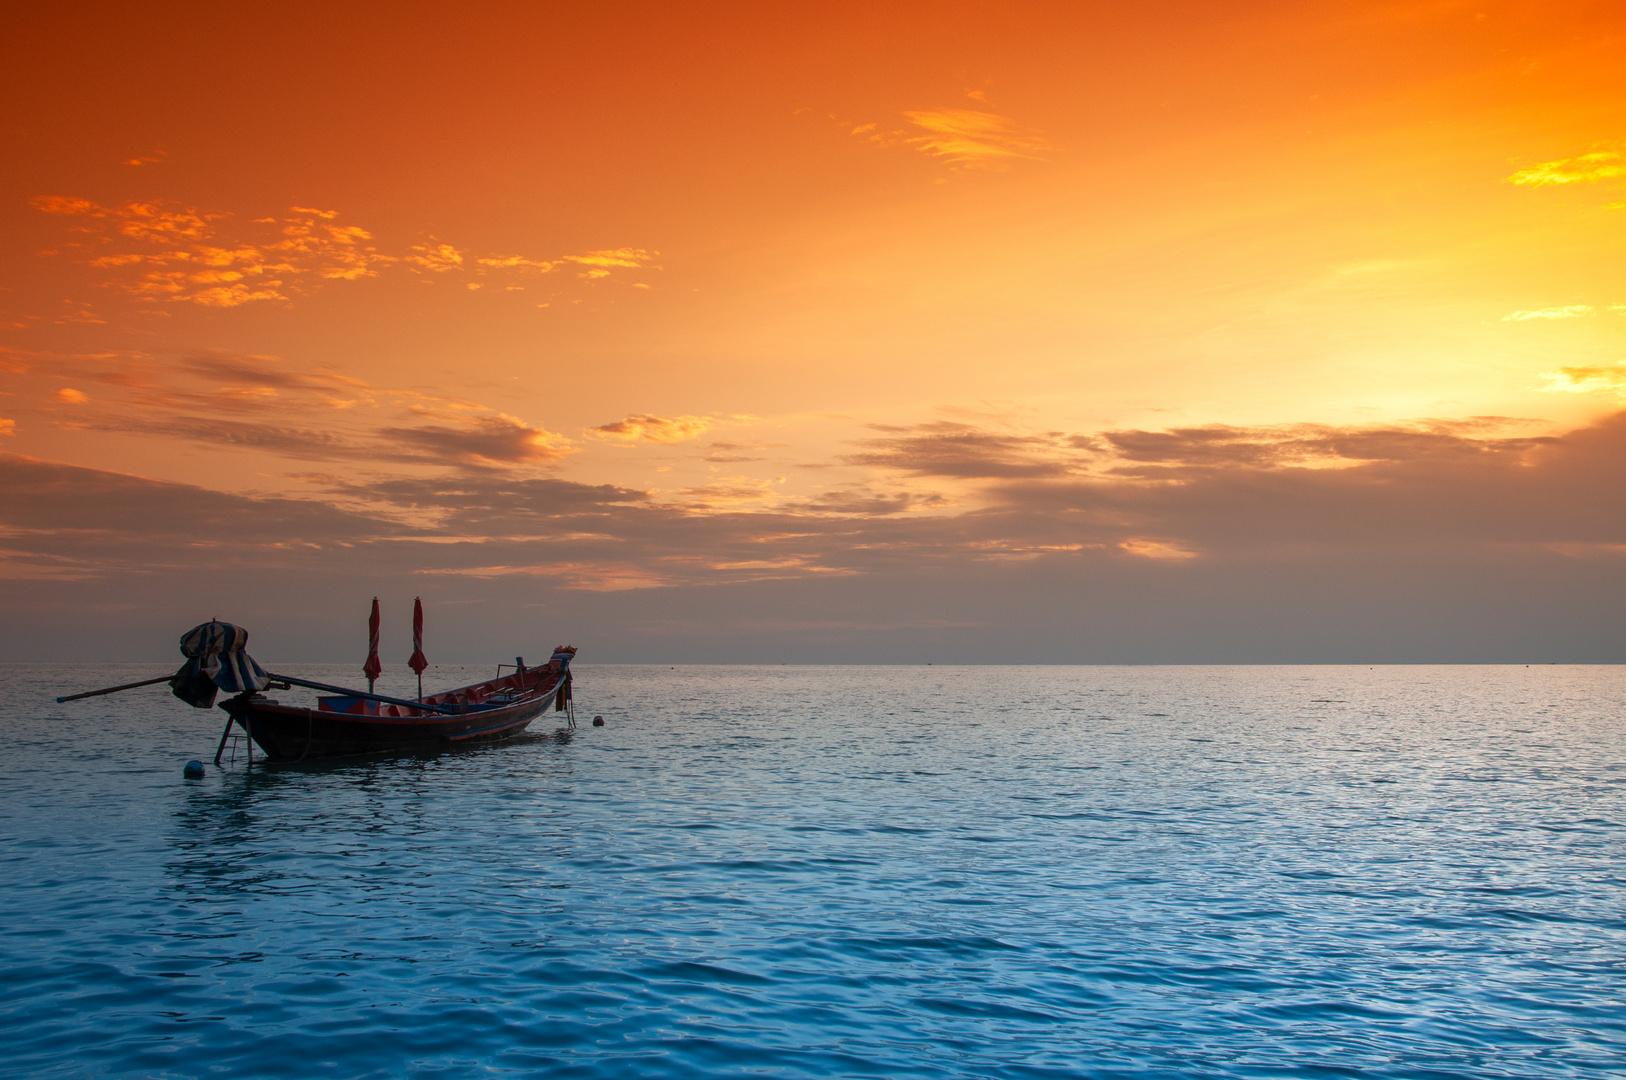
x=1088, y=332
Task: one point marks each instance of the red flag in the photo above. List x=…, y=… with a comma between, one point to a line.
x=372, y=667
x=417, y=663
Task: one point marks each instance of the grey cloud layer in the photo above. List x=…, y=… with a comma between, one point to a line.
x=261, y=403
x=1199, y=544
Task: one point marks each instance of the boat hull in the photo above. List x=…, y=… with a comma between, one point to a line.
x=290, y=733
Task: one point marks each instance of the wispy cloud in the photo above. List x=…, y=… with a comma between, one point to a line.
x=190, y=256
x=865, y=501
x=435, y=258
x=137, y=220
x=1606, y=379
x=265, y=404
x=965, y=138
x=599, y=576
x=730, y=493
x=187, y=261
x=1572, y=311
x=484, y=440
x=733, y=453
x=964, y=451
x=657, y=429
x=1319, y=447
x=1582, y=169
x=598, y=264
x=1147, y=548
x=972, y=138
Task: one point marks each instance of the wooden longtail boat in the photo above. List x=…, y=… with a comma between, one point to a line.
x=358, y=723
x=355, y=721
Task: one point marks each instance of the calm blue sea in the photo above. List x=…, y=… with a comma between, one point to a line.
x=1009, y=872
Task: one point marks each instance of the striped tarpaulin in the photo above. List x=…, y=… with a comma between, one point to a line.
x=216, y=660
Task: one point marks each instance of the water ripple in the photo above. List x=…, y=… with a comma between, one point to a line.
x=942, y=872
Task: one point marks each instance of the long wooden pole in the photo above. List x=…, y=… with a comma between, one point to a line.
x=279, y=678
x=114, y=689
x=357, y=693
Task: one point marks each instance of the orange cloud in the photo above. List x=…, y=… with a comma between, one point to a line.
x=1588, y=380
x=193, y=265
x=602, y=262
x=865, y=502
x=730, y=493
x=1145, y=548
x=138, y=220
x=263, y=404
x=586, y=576
x=963, y=451
x=518, y=262
x=971, y=138
x=1570, y=312
x=599, y=264
x=486, y=440
x=188, y=268
x=439, y=258
x=1583, y=169
x=658, y=429
x=967, y=138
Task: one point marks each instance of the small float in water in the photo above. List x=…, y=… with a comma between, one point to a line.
x=348, y=722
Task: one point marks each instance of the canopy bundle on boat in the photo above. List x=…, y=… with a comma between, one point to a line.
x=216, y=661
